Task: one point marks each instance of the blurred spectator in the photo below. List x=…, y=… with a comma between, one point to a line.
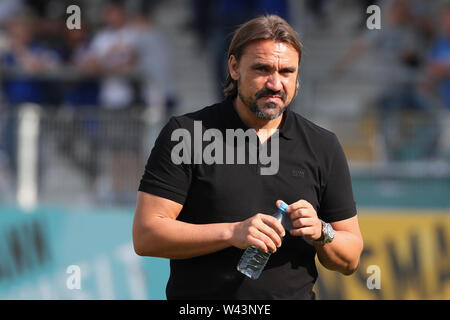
x=50, y=18
x=439, y=58
x=439, y=74
x=80, y=139
x=113, y=55
x=82, y=92
x=158, y=88
x=399, y=49
x=22, y=60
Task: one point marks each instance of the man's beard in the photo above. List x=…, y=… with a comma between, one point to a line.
x=252, y=104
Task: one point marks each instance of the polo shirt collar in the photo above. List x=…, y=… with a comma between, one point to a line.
x=233, y=120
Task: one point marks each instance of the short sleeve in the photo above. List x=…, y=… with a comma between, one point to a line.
x=337, y=202
x=162, y=177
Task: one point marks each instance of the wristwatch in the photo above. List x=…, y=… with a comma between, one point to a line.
x=327, y=234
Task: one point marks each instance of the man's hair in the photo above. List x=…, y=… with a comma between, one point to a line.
x=268, y=27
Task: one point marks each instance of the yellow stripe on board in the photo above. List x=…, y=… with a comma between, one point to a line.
x=406, y=256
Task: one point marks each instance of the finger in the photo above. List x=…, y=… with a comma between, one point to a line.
x=257, y=243
x=302, y=213
x=279, y=202
x=307, y=231
x=269, y=245
x=303, y=222
x=297, y=205
x=273, y=223
x=271, y=233
x=263, y=225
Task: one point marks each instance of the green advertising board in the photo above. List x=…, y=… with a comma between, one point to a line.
x=56, y=253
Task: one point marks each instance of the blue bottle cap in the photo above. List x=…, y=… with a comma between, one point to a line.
x=283, y=206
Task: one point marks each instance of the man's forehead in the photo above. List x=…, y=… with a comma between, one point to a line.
x=269, y=49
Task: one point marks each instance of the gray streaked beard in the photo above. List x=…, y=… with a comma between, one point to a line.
x=253, y=106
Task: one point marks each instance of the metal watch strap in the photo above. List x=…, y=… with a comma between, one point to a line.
x=326, y=238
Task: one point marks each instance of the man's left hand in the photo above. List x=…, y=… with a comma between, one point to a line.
x=305, y=220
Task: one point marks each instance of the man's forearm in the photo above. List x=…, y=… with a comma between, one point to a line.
x=342, y=254
x=173, y=239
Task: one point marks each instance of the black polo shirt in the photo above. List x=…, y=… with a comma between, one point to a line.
x=312, y=166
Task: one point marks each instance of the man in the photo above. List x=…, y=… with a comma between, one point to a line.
x=202, y=216
x=113, y=52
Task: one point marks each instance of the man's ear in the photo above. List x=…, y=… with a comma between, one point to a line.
x=233, y=67
x=297, y=85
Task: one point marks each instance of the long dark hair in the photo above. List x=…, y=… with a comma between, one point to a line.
x=268, y=27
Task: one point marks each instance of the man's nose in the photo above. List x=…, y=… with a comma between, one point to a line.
x=274, y=82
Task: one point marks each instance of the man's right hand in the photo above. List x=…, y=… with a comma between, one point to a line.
x=158, y=233
x=262, y=231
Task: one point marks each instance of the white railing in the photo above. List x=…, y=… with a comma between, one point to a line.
x=94, y=156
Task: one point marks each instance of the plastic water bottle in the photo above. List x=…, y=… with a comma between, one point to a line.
x=254, y=260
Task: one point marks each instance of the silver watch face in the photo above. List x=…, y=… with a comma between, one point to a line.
x=328, y=232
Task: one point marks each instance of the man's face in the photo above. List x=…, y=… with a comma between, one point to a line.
x=266, y=76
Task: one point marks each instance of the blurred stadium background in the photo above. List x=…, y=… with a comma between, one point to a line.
x=80, y=109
